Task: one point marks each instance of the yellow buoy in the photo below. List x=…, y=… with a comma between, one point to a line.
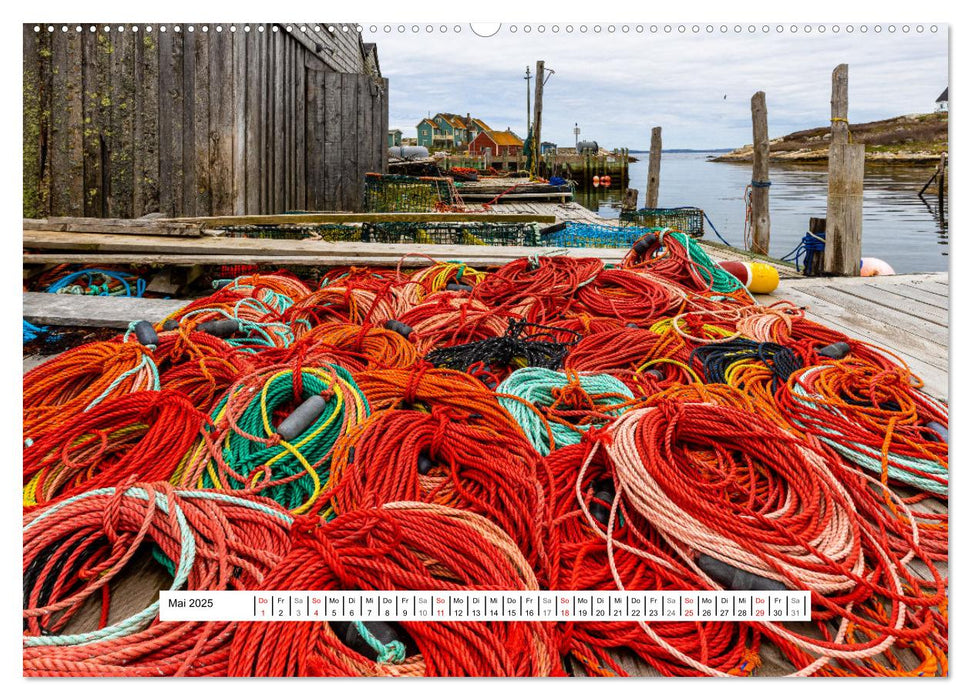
x=758, y=278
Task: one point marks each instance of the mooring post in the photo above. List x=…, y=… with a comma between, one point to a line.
x=654, y=168
x=537, y=116
x=940, y=186
x=844, y=204
x=760, y=175
x=818, y=227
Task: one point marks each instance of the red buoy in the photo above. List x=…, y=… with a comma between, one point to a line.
x=605, y=180
x=596, y=181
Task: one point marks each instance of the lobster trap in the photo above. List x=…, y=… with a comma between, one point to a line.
x=690, y=220
x=582, y=235
x=449, y=233
x=406, y=193
x=317, y=232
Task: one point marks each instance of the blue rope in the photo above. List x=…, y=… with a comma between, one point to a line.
x=711, y=223
x=32, y=332
x=106, y=275
x=761, y=183
x=810, y=245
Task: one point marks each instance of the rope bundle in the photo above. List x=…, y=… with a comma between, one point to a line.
x=75, y=551
x=242, y=450
x=717, y=482
x=452, y=318
x=441, y=458
x=630, y=295
x=358, y=348
x=402, y=546
x=80, y=379
x=875, y=419
x=555, y=408
x=523, y=345
x=584, y=494
x=142, y=435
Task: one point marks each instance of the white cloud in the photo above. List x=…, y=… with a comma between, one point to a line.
x=697, y=87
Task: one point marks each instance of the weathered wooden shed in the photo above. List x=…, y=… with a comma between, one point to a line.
x=194, y=120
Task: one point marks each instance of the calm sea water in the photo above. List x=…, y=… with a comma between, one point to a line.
x=898, y=226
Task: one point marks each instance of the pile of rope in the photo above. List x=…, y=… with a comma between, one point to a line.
x=552, y=424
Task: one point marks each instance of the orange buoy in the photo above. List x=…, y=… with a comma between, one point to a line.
x=596, y=181
x=605, y=180
x=874, y=267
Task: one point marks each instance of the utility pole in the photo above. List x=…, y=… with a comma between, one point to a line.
x=537, y=116
x=528, y=111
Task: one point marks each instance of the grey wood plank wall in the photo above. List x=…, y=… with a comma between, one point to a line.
x=125, y=123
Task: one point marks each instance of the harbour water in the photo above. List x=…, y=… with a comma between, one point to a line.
x=898, y=226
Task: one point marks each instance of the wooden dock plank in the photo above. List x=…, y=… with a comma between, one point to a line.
x=95, y=311
x=905, y=323
x=916, y=291
x=907, y=305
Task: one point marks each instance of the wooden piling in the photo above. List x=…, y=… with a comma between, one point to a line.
x=844, y=204
x=654, y=168
x=760, y=175
x=940, y=186
x=818, y=227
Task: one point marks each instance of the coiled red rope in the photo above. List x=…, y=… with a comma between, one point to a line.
x=401, y=546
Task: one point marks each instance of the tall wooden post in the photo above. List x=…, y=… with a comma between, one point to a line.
x=844, y=205
x=654, y=168
x=760, y=175
x=537, y=114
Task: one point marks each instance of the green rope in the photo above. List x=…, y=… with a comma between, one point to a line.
x=391, y=653
x=537, y=386
x=249, y=458
x=720, y=280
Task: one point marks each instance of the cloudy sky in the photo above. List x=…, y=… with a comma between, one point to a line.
x=697, y=87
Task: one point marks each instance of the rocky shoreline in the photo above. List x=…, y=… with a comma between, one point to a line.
x=914, y=139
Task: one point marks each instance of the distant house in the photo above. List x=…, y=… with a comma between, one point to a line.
x=450, y=131
x=499, y=143
x=476, y=127
x=426, y=133
x=547, y=147
x=394, y=138
x=942, y=101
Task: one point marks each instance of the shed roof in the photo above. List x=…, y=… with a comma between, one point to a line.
x=943, y=97
x=505, y=138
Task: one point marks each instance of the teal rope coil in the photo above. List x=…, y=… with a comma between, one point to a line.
x=541, y=387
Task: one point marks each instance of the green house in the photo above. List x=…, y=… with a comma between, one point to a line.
x=426, y=133
x=394, y=138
